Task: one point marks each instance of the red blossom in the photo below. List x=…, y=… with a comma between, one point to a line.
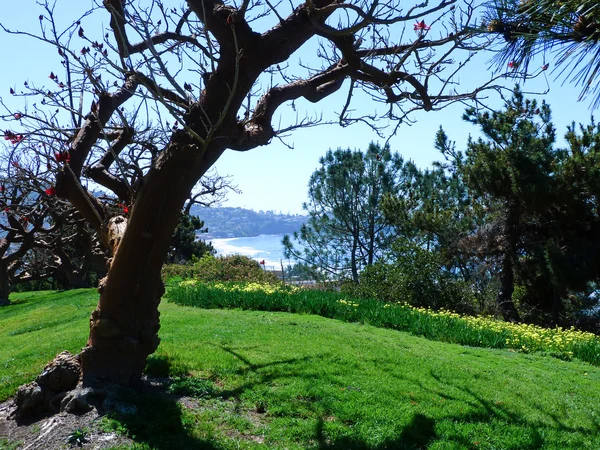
x=6, y=209
x=17, y=116
x=2, y=188
x=63, y=156
x=51, y=191
x=512, y=65
x=545, y=66
x=124, y=208
x=52, y=76
x=421, y=26
x=12, y=137
x=15, y=164
x=262, y=262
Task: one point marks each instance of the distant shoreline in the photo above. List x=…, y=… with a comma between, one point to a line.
x=208, y=236
x=226, y=223
x=265, y=247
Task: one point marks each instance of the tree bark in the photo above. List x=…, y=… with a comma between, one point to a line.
x=556, y=307
x=507, y=277
x=124, y=326
x=4, y=286
x=353, y=262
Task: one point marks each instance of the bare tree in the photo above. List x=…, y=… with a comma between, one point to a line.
x=41, y=236
x=212, y=76
x=24, y=225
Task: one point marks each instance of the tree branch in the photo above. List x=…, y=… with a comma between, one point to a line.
x=259, y=131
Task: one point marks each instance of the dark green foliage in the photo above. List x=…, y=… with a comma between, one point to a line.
x=417, y=276
x=511, y=216
x=220, y=268
x=540, y=227
x=570, y=248
x=184, y=243
x=346, y=230
x=434, y=207
x=510, y=173
x=431, y=218
x=37, y=285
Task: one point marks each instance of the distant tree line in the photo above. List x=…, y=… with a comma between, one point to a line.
x=224, y=222
x=508, y=225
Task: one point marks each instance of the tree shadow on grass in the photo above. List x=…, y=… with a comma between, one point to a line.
x=496, y=409
x=161, y=423
x=418, y=434
x=158, y=419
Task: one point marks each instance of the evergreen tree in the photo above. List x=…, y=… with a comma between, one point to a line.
x=184, y=244
x=511, y=172
x=347, y=230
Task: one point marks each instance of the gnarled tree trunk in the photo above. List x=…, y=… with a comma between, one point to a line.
x=124, y=326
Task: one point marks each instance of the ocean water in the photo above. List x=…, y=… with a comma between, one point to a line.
x=266, y=247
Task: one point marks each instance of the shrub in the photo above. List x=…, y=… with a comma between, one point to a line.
x=234, y=268
x=418, y=278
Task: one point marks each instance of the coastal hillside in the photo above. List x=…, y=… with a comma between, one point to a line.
x=226, y=222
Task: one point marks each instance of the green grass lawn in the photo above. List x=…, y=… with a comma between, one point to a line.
x=285, y=381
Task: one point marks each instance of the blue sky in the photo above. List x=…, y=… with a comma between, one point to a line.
x=275, y=177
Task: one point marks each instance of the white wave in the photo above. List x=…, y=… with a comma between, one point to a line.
x=265, y=248
x=225, y=248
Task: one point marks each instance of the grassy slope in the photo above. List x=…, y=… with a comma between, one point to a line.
x=327, y=384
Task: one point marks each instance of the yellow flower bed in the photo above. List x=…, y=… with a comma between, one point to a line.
x=347, y=303
x=441, y=324
x=520, y=336
x=265, y=288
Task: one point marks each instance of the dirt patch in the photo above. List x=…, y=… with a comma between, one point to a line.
x=60, y=431
x=55, y=432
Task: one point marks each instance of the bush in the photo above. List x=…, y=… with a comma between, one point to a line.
x=417, y=278
x=234, y=268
